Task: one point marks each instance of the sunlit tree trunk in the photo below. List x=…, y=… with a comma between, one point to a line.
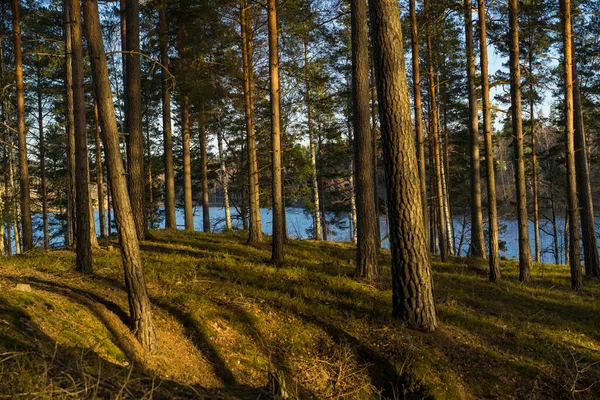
x=517, y=128
x=170, y=218
x=99, y=172
x=437, y=158
x=224, y=173
x=139, y=304
x=187, y=165
x=277, y=244
x=204, y=156
x=489, y=149
x=69, y=129
x=572, y=204
x=477, y=241
x=411, y=277
x=23, y=163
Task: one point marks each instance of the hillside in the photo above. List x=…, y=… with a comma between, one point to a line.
x=228, y=324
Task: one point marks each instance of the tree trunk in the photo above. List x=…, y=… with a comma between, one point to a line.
x=139, y=304
x=411, y=277
x=135, y=142
x=584, y=189
x=477, y=241
x=517, y=127
x=313, y=150
x=224, y=173
x=489, y=149
x=23, y=163
x=277, y=244
x=437, y=159
x=70, y=130
x=42, y=161
x=204, y=155
x=170, y=218
x=83, y=242
x=99, y=172
x=418, y=108
x=536, y=205
x=255, y=232
x=367, y=250
x=375, y=137
x=576, y=278
x=187, y=165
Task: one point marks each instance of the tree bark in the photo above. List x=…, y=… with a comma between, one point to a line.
x=477, y=241
x=99, y=171
x=84, y=241
x=204, y=155
x=27, y=234
x=255, y=229
x=224, y=173
x=367, y=250
x=170, y=218
x=584, y=188
x=277, y=244
x=139, y=304
x=42, y=161
x=574, y=257
x=187, y=165
x=435, y=137
x=70, y=129
x=411, y=277
x=135, y=142
x=489, y=149
x=418, y=108
x=517, y=127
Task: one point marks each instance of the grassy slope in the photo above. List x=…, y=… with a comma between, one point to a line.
x=226, y=320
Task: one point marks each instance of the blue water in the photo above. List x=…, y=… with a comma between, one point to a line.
x=300, y=226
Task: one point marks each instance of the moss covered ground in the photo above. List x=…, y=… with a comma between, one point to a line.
x=229, y=324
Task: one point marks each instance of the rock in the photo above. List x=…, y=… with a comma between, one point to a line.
x=23, y=287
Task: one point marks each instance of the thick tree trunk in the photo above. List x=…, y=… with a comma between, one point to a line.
x=574, y=257
x=277, y=244
x=367, y=250
x=477, y=241
x=23, y=163
x=489, y=149
x=255, y=232
x=170, y=218
x=42, y=163
x=139, y=304
x=83, y=242
x=411, y=277
x=517, y=127
x=418, y=108
x=99, y=171
x=135, y=142
x=584, y=188
x=187, y=165
x=313, y=147
x=204, y=155
x=435, y=137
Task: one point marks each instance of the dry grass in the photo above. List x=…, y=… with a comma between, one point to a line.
x=229, y=325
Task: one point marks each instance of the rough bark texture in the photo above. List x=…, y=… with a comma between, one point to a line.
x=418, y=108
x=278, y=235
x=187, y=165
x=477, y=241
x=435, y=138
x=517, y=128
x=84, y=240
x=27, y=230
x=584, y=189
x=411, y=277
x=204, y=155
x=99, y=171
x=170, y=218
x=139, y=304
x=489, y=149
x=255, y=229
x=135, y=143
x=70, y=129
x=367, y=251
x=574, y=257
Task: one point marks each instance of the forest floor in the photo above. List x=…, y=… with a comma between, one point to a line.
x=228, y=323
